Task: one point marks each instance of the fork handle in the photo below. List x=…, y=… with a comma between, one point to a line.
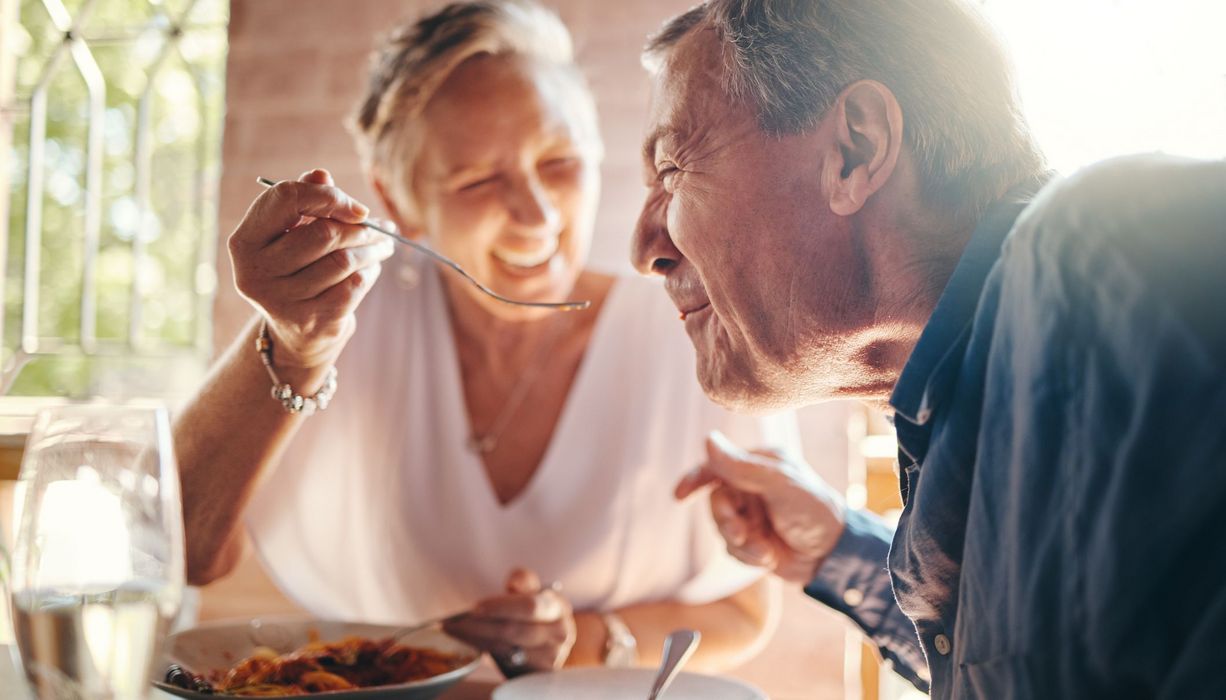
x=432, y=622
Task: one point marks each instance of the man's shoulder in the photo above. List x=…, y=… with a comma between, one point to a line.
x=1149, y=200
x=1125, y=245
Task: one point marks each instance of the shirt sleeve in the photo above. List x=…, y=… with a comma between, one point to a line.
x=854, y=581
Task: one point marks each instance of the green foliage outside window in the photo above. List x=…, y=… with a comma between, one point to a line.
x=171, y=53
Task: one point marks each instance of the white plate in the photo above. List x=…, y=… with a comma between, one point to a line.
x=619, y=683
x=220, y=645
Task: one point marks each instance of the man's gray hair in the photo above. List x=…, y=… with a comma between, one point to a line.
x=792, y=58
x=414, y=61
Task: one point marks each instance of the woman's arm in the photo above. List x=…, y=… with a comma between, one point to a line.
x=301, y=257
x=733, y=628
x=539, y=622
x=227, y=436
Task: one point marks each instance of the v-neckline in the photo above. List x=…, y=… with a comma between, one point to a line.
x=471, y=461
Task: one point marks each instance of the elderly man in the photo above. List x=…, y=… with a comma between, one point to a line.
x=845, y=201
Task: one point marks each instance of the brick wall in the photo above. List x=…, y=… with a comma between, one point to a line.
x=295, y=70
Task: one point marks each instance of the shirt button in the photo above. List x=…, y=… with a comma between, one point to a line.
x=853, y=597
x=942, y=644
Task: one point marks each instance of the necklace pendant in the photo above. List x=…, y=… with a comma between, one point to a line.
x=482, y=444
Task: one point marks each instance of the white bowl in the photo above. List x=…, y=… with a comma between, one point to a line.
x=219, y=645
x=622, y=683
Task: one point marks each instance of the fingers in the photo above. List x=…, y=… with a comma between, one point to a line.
x=534, y=623
x=744, y=524
x=524, y=581
x=772, y=453
x=318, y=176
x=491, y=632
x=730, y=514
x=514, y=660
x=283, y=205
x=545, y=606
x=729, y=464
x=693, y=481
x=736, y=467
x=305, y=244
x=330, y=270
x=757, y=551
x=758, y=544
x=342, y=299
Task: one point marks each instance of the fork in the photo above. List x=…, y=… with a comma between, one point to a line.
x=432, y=622
x=428, y=252
x=279, y=639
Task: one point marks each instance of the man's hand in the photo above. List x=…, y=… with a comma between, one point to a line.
x=773, y=512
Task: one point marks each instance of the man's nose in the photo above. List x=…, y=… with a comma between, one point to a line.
x=651, y=250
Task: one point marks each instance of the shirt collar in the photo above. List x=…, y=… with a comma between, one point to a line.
x=919, y=387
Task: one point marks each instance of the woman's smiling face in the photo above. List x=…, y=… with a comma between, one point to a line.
x=506, y=178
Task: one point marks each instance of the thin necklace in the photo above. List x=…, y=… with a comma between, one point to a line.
x=487, y=442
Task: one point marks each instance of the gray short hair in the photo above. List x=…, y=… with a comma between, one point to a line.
x=414, y=61
x=792, y=58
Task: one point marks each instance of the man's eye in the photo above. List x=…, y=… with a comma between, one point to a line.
x=665, y=172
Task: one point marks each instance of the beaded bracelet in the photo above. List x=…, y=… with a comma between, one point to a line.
x=283, y=392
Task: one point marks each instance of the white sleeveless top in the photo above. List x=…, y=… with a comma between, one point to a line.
x=378, y=511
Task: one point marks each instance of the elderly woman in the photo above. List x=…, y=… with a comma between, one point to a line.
x=468, y=440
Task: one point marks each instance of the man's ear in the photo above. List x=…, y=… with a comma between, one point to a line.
x=868, y=134
x=394, y=211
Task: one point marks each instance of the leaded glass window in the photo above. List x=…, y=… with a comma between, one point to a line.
x=113, y=111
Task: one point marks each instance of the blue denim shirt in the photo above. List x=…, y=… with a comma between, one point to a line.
x=1062, y=434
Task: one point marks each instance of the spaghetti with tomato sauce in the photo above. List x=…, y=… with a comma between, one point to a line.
x=349, y=664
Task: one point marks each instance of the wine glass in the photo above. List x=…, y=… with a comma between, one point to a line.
x=97, y=572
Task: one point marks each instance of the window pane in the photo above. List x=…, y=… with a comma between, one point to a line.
x=151, y=273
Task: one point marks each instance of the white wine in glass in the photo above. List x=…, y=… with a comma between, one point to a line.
x=98, y=569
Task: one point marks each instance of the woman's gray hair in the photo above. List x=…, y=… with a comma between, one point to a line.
x=792, y=58
x=414, y=61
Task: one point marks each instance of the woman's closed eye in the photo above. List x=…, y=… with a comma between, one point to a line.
x=560, y=162
x=477, y=183
x=559, y=166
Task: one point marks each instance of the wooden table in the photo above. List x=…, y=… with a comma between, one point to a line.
x=478, y=686
x=471, y=690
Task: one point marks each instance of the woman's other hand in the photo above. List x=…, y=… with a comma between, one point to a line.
x=301, y=256
x=530, y=628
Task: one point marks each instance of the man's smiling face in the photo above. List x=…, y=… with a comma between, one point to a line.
x=766, y=278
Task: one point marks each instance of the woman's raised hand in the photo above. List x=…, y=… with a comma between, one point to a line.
x=530, y=628
x=301, y=256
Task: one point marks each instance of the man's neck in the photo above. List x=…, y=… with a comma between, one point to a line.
x=912, y=251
